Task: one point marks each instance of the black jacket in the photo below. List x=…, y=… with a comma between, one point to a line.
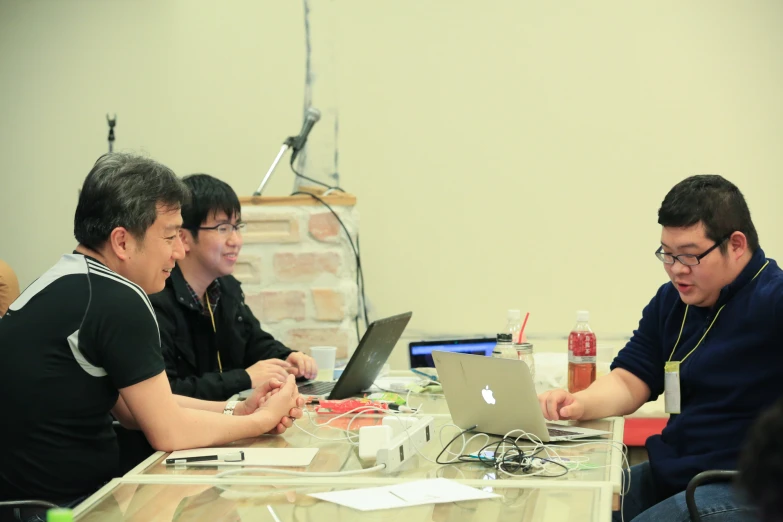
x=190, y=345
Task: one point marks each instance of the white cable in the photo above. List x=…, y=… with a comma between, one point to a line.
x=549, y=467
x=552, y=462
x=345, y=439
x=300, y=473
x=349, y=436
x=464, y=442
x=363, y=408
x=625, y=485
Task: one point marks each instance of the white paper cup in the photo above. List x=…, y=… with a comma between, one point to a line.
x=324, y=357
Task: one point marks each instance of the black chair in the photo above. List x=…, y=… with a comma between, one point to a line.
x=27, y=503
x=705, y=477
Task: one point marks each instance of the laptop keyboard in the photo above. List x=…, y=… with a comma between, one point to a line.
x=316, y=388
x=554, y=432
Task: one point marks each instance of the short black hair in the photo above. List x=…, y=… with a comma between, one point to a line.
x=208, y=196
x=761, y=464
x=714, y=201
x=124, y=190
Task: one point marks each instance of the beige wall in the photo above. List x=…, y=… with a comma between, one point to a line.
x=504, y=153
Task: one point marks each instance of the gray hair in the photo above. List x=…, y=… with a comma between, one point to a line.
x=124, y=190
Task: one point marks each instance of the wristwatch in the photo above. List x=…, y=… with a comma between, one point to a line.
x=229, y=409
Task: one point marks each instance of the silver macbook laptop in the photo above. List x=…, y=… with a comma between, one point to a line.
x=497, y=396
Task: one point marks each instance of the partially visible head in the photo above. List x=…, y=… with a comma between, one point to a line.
x=209, y=234
x=129, y=212
x=761, y=464
x=698, y=213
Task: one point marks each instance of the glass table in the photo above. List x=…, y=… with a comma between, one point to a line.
x=337, y=441
x=197, y=498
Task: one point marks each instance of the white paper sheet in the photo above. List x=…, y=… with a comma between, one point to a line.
x=416, y=493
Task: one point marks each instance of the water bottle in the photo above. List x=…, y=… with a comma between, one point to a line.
x=525, y=353
x=504, y=347
x=513, y=324
x=59, y=515
x=581, y=354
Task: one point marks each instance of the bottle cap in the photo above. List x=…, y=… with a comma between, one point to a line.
x=59, y=515
x=504, y=338
x=514, y=314
x=582, y=316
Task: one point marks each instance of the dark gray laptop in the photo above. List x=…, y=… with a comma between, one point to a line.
x=364, y=366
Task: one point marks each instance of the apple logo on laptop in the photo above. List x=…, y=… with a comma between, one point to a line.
x=487, y=394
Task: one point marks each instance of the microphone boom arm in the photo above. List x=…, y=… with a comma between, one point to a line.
x=285, y=147
x=297, y=143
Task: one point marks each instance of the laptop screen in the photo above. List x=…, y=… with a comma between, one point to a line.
x=420, y=352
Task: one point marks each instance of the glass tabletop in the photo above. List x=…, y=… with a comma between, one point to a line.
x=337, y=440
x=144, y=499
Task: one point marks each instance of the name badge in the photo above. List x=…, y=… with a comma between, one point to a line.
x=671, y=387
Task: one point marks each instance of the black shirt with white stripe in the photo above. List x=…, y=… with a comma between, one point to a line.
x=70, y=341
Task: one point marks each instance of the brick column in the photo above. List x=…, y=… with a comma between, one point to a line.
x=298, y=270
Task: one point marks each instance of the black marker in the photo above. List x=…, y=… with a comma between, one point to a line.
x=228, y=457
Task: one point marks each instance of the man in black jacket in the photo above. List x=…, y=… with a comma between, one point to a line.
x=212, y=344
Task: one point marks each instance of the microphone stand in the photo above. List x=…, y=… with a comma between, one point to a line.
x=112, y=123
x=286, y=145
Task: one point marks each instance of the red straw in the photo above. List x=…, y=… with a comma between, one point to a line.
x=522, y=330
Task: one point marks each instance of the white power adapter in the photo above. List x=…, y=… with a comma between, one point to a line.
x=395, y=441
x=373, y=438
x=400, y=424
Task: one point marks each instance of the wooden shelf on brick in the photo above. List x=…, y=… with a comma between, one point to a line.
x=298, y=270
x=334, y=199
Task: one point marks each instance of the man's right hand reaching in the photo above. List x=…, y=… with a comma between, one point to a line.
x=618, y=393
x=560, y=405
x=263, y=371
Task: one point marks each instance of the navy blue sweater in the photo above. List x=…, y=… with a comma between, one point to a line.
x=735, y=373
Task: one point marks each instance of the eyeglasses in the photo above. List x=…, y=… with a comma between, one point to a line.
x=687, y=259
x=225, y=229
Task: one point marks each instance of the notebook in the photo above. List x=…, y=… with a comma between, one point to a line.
x=366, y=363
x=497, y=396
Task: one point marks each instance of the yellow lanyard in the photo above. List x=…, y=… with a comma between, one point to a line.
x=685, y=315
x=209, y=307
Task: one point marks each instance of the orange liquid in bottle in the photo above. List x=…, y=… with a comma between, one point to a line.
x=581, y=360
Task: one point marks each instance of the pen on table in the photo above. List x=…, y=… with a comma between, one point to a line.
x=427, y=375
x=228, y=457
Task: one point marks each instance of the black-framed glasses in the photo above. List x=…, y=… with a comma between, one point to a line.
x=687, y=259
x=225, y=229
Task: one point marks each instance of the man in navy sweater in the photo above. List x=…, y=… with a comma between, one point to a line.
x=710, y=340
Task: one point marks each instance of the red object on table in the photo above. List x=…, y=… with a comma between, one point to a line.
x=346, y=405
x=638, y=429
